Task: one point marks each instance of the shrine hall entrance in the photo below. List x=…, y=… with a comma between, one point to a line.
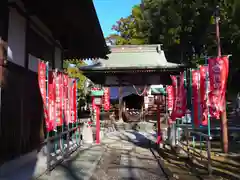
x=132, y=107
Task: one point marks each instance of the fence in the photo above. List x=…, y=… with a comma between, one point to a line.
x=61, y=144
x=189, y=148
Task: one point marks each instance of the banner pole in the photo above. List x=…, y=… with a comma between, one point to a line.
x=208, y=116
x=192, y=104
x=47, y=110
x=76, y=111
x=55, y=108
x=68, y=112
x=62, y=106
x=199, y=105
x=78, y=123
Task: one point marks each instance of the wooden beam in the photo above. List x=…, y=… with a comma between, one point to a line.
x=4, y=14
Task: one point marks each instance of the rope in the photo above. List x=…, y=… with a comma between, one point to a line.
x=140, y=94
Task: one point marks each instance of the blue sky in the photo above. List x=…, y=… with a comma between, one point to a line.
x=109, y=11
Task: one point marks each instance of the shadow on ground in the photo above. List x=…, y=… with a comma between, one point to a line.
x=185, y=167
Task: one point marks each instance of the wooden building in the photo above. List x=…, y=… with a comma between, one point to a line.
x=31, y=30
x=132, y=65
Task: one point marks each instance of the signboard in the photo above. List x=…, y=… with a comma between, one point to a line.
x=157, y=90
x=97, y=92
x=97, y=101
x=150, y=100
x=146, y=100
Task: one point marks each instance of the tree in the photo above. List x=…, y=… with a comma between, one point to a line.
x=128, y=30
x=185, y=28
x=71, y=67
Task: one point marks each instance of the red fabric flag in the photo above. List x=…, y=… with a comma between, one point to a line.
x=195, y=93
x=58, y=98
x=180, y=102
x=170, y=97
x=65, y=98
x=71, y=100
x=218, y=74
x=170, y=102
x=75, y=101
x=204, y=83
x=42, y=68
x=106, y=99
x=51, y=101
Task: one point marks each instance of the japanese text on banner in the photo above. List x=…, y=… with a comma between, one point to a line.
x=51, y=100
x=218, y=74
x=106, y=99
x=204, y=84
x=196, y=96
x=42, y=68
x=180, y=101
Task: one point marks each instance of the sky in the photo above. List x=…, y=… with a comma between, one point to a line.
x=110, y=11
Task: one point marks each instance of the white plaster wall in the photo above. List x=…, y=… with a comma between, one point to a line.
x=16, y=37
x=58, y=55
x=17, y=34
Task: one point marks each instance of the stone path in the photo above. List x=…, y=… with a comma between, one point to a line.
x=79, y=166
x=127, y=156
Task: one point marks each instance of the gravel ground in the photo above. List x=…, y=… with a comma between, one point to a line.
x=124, y=159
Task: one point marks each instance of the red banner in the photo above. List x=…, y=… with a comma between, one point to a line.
x=42, y=85
x=170, y=97
x=218, y=74
x=65, y=98
x=204, y=83
x=93, y=104
x=170, y=102
x=75, y=101
x=196, y=96
x=51, y=101
x=72, y=93
x=180, y=102
x=106, y=99
x=58, y=99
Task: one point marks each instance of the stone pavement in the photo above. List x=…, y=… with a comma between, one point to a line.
x=79, y=166
x=127, y=156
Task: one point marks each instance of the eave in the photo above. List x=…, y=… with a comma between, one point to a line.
x=74, y=25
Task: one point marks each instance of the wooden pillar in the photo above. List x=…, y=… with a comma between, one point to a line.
x=4, y=14
x=224, y=121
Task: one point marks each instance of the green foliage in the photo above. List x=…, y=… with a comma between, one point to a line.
x=186, y=29
x=75, y=73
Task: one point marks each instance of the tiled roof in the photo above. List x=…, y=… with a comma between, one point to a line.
x=133, y=57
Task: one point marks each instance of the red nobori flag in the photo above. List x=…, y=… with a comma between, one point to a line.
x=65, y=98
x=218, y=74
x=106, y=99
x=71, y=100
x=170, y=102
x=224, y=82
x=51, y=101
x=180, y=102
x=170, y=97
x=58, y=98
x=204, y=84
x=42, y=68
x=196, y=98
x=75, y=101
